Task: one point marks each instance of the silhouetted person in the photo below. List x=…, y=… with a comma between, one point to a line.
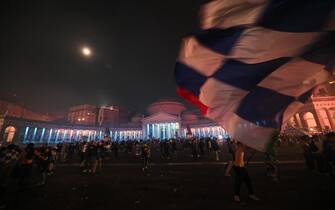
x=241, y=174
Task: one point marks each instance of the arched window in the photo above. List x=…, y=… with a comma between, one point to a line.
x=310, y=120
x=9, y=134
x=292, y=122
x=324, y=118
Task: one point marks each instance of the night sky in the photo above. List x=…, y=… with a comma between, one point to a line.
x=135, y=44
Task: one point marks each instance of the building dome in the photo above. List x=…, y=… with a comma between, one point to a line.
x=189, y=117
x=137, y=118
x=169, y=106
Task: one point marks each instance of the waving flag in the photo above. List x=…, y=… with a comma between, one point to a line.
x=256, y=62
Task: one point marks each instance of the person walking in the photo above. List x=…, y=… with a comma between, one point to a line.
x=241, y=174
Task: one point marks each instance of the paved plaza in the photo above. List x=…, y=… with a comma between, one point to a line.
x=182, y=184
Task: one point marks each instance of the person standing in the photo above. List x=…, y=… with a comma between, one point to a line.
x=201, y=148
x=51, y=160
x=175, y=148
x=271, y=161
x=146, y=156
x=308, y=149
x=209, y=147
x=328, y=152
x=167, y=149
x=115, y=149
x=83, y=156
x=9, y=157
x=70, y=152
x=231, y=151
x=100, y=155
x=215, y=147
x=161, y=147
x=26, y=166
x=241, y=174
x=41, y=158
x=92, y=157
x=194, y=149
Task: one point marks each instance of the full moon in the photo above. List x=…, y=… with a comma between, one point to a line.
x=86, y=51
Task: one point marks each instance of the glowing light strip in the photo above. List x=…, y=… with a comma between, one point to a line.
x=42, y=135
x=50, y=135
x=25, y=135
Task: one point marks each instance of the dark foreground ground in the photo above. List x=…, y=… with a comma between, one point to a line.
x=180, y=185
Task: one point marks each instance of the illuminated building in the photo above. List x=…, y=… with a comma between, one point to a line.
x=11, y=109
x=83, y=115
x=164, y=119
x=91, y=115
x=169, y=119
x=318, y=114
x=109, y=116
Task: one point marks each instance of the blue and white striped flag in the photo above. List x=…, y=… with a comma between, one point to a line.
x=256, y=62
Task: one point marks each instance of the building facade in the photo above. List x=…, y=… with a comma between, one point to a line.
x=91, y=115
x=83, y=115
x=165, y=119
x=317, y=115
x=11, y=109
x=28, y=131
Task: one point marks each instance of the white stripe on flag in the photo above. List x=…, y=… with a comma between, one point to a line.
x=303, y=75
x=259, y=44
x=201, y=59
x=225, y=14
x=246, y=132
x=215, y=93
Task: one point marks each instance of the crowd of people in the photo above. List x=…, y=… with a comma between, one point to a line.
x=319, y=152
x=18, y=163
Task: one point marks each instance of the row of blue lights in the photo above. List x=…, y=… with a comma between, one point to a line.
x=162, y=130
x=121, y=135
x=126, y=135
x=201, y=132
x=158, y=131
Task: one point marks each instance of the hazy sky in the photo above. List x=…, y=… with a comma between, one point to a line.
x=134, y=43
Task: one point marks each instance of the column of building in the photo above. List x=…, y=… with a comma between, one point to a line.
x=297, y=120
x=318, y=119
x=331, y=119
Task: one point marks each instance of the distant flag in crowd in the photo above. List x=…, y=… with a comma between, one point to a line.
x=256, y=62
